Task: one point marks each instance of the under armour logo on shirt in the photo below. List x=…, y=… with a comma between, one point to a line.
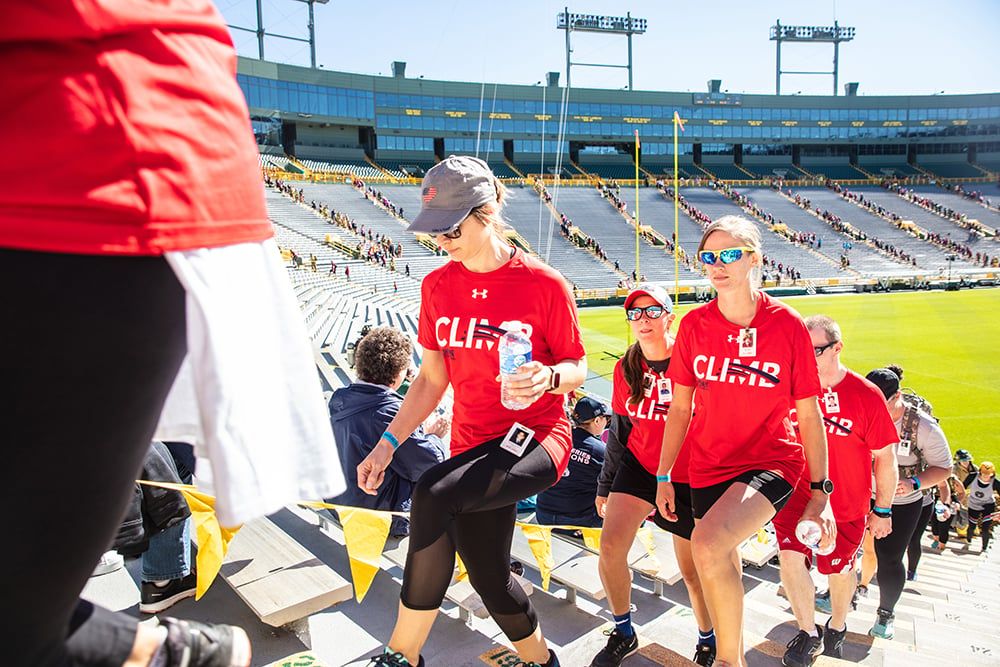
x=477, y=293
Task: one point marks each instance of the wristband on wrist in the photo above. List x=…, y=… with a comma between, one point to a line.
x=391, y=439
x=663, y=478
x=916, y=483
x=883, y=512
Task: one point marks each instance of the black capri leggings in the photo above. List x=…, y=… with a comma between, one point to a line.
x=468, y=504
x=941, y=529
x=983, y=519
x=914, y=549
x=90, y=348
x=889, y=552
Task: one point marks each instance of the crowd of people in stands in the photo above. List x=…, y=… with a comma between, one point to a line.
x=973, y=195
x=838, y=225
x=373, y=247
x=377, y=198
x=920, y=200
x=612, y=192
x=287, y=189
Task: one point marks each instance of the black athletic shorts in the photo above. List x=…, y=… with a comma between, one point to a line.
x=636, y=481
x=772, y=485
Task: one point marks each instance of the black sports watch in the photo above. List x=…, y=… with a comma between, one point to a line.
x=824, y=485
x=554, y=380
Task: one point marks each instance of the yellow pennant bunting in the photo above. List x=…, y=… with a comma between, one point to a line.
x=645, y=537
x=213, y=540
x=540, y=541
x=365, y=532
x=462, y=572
x=592, y=538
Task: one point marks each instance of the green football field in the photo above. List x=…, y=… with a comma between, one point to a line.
x=942, y=340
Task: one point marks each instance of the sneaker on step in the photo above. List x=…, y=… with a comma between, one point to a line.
x=803, y=649
x=704, y=655
x=833, y=641
x=823, y=604
x=553, y=661
x=618, y=648
x=111, y=561
x=153, y=599
x=194, y=644
x=883, y=625
x=393, y=659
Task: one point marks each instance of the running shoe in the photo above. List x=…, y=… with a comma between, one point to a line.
x=833, y=641
x=704, y=655
x=823, y=604
x=553, y=661
x=393, y=659
x=803, y=649
x=153, y=599
x=193, y=644
x=619, y=647
x=883, y=625
x=111, y=561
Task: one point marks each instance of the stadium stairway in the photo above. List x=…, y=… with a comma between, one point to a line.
x=864, y=258
x=928, y=257
x=810, y=264
x=947, y=617
x=928, y=220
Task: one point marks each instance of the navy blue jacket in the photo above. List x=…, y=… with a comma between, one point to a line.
x=575, y=492
x=359, y=413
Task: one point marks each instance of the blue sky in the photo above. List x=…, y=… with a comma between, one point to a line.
x=901, y=47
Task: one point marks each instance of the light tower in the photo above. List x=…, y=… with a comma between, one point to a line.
x=626, y=25
x=809, y=34
x=261, y=32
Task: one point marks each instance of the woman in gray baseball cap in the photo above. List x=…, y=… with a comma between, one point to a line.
x=498, y=455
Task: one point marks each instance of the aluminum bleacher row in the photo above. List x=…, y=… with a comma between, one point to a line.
x=599, y=219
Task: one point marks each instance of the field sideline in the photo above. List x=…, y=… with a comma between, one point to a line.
x=941, y=340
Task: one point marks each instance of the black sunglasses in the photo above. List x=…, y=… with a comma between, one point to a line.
x=652, y=312
x=455, y=233
x=820, y=350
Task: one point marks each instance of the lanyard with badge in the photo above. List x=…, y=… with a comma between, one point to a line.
x=831, y=401
x=748, y=342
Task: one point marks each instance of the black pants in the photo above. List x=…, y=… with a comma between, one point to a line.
x=468, y=504
x=913, y=549
x=979, y=518
x=941, y=529
x=889, y=552
x=90, y=347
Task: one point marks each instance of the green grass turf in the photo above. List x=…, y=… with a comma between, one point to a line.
x=943, y=341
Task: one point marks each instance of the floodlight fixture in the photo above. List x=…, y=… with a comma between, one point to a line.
x=627, y=25
x=834, y=34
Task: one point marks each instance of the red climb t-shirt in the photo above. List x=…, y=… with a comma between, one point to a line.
x=741, y=418
x=648, y=420
x=132, y=136
x=463, y=314
x=859, y=425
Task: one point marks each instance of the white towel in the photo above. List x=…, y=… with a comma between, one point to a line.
x=248, y=395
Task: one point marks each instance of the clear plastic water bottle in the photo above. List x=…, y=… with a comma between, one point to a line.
x=942, y=511
x=515, y=351
x=810, y=534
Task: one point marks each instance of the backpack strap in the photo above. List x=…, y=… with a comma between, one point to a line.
x=908, y=430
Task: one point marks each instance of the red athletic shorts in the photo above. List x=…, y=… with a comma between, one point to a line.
x=850, y=534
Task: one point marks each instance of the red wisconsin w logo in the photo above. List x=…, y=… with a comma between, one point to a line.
x=429, y=193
